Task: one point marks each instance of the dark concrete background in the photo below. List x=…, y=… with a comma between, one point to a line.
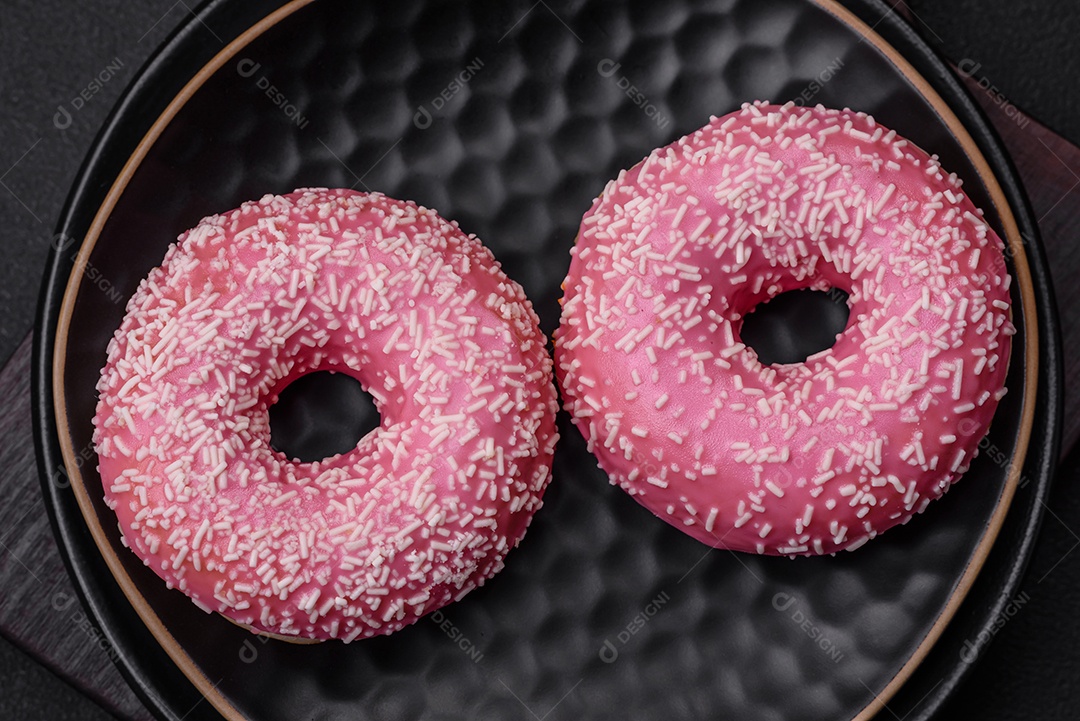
x=51, y=49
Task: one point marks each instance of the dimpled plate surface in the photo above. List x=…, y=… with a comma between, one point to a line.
x=509, y=117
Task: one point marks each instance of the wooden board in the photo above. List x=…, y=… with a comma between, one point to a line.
x=1048, y=166
x=40, y=613
x=39, y=610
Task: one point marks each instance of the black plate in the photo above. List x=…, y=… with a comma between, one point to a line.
x=509, y=117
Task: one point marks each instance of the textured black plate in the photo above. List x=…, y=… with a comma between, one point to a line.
x=509, y=117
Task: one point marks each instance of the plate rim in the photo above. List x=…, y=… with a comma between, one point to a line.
x=1025, y=283
x=53, y=365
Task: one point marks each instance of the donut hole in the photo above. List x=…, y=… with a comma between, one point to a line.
x=792, y=326
x=320, y=415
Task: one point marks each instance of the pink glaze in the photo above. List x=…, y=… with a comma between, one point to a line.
x=422, y=511
x=804, y=458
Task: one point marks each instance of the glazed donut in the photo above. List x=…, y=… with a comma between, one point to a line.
x=423, y=510
x=802, y=458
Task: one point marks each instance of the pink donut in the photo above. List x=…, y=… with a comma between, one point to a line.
x=422, y=511
x=803, y=458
